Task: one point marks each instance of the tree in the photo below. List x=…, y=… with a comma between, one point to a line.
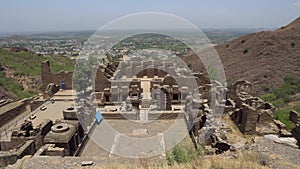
x=82, y=76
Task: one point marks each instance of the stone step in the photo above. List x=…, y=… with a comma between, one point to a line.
x=146, y=103
x=143, y=115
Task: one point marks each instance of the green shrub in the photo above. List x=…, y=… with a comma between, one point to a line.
x=25, y=63
x=293, y=44
x=283, y=115
x=246, y=51
x=15, y=87
x=283, y=95
x=183, y=154
x=267, y=88
x=189, y=64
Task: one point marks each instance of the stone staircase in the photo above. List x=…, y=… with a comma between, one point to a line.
x=145, y=103
x=144, y=114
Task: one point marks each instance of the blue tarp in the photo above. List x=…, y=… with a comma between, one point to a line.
x=98, y=116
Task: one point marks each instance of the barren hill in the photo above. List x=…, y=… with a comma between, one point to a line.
x=263, y=58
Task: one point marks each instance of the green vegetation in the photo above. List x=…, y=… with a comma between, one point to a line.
x=283, y=27
x=283, y=95
x=282, y=114
x=183, y=154
x=245, y=51
x=266, y=75
x=212, y=73
x=189, y=64
x=83, y=73
x=293, y=44
x=15, y=87
x=26, y=63
x=267, y=88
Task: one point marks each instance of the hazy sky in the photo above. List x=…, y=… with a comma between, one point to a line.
x=63, y=15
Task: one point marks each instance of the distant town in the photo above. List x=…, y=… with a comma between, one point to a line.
x=70, y=43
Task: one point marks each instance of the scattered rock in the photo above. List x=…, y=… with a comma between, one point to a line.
x=87, y=163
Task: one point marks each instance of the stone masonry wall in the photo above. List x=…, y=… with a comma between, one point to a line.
x=49, y=77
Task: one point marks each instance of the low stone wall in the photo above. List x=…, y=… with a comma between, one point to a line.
x=165, y=116
x=35, y=104
x=119, y=116
x=10, y=111
x=151, y=116
x=10, y=157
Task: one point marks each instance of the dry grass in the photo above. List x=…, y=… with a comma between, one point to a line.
x=247, y=160
x=235, y=136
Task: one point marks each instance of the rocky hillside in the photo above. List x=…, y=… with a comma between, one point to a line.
x=263, y=58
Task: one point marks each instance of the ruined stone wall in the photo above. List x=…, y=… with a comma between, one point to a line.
x=35, y=104
x=49, y=77
x=100, y=82
x=46, y=73
x=17, y=141
x=63, y=76
x=294, y=117
x=10, y=157
x=246, y=119
x=165, y=116
x=296, y=133
x=11, y=111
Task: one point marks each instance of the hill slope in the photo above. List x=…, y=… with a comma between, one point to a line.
x=20, y=71
x=263, y=58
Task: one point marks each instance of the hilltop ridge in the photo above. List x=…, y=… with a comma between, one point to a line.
x=263, y=58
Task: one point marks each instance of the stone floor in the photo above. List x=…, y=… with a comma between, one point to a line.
x=127, y=138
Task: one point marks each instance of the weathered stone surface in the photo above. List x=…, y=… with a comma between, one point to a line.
x=294, y=117
x=246, y=119
x=48, y=77
x=9, y=111
x=296, y=133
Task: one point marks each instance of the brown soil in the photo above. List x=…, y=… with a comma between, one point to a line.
x=263, y=58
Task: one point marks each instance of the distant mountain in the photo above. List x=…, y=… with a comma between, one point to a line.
x=263, y=58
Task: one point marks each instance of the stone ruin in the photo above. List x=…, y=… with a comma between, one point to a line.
x=251, y=114
x=60, y=138
x=121, y=82
x=50, y=90
x=295, y=118
x=24, y=140
x=63, y=139
x=50, y=78
x=118, y=89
